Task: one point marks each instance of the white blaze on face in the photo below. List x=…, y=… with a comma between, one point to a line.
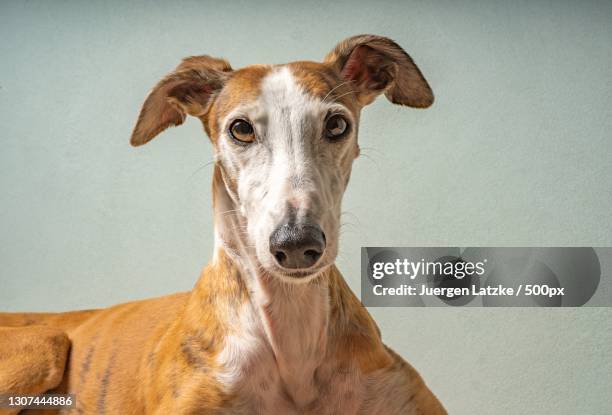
x=293, y=119
x=291, y=170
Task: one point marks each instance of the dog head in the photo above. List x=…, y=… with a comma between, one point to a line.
x=285, y=137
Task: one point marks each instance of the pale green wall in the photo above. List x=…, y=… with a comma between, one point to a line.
x=516, y=151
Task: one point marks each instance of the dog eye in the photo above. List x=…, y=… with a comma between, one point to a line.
x=242, y=131
x=335, y=127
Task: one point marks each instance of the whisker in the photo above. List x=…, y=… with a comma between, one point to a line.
x=372, y=160
x=340, y=96
x=333, y=89
x=199, y=169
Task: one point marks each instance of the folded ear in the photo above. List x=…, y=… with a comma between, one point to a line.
x=188, y=90
x=376, y=64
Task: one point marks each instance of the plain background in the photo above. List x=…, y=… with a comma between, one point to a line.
x=516, y=151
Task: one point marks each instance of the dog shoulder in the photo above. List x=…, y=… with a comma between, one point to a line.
x=110, y=350
x=400, y=389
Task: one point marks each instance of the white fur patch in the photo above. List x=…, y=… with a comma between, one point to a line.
x=290, y=168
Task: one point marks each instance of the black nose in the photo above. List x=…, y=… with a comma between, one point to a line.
x=297, y=246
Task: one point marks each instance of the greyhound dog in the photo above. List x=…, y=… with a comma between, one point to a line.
x=271, y=327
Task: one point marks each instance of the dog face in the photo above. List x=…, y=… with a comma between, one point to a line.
x=286, y=154
x=285, y=137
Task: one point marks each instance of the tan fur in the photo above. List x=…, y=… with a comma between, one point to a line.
x=158, y=355
x=32, y=360
x=166, y=355
x=242, y=86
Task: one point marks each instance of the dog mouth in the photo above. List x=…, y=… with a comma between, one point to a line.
x=300, y=275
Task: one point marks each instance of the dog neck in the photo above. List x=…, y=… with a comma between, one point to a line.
x=294, y=317
x=303, y=326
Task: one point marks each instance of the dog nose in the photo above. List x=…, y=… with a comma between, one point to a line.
x=297, y=246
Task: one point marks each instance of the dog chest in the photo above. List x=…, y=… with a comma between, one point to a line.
x=263, y=380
